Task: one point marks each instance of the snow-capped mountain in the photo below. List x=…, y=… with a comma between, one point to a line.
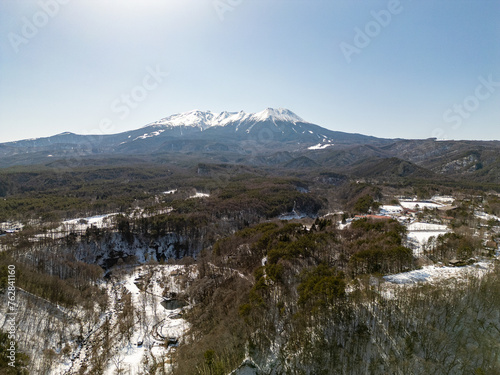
x=270, y=125
x=195, y=131
x=207, y=119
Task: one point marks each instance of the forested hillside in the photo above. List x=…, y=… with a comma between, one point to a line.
x=191, y=267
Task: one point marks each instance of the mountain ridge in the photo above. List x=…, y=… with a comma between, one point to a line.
x=262, y=138
x=207, y=119
x=280, y=128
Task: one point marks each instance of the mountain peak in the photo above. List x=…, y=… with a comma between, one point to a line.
x=207, y=119
x=281, y=114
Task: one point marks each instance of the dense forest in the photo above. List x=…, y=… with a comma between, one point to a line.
x=281, y=272
x=318, y=306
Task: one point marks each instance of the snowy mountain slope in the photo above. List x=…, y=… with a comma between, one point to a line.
x=279, y=125
x=270, y=129
x=195, y=131
x=249, y=137
x=184, y=124
x=205, y=120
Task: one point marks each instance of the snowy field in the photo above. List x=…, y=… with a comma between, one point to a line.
x=81, y=224
x=435, y=273
x=420, y=233
x=390, y=209
x=445, y=199
x=416, y=205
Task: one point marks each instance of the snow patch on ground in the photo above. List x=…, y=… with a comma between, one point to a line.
x=199, y=195
x=320, y=146
x=445, y=199
x=150, y=135
x=485, y=216
x=390, y=209
x=436, y=273
x=81, y=224
x=415, y=205
x=11, y=226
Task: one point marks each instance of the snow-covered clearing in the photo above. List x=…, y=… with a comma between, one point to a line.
x=416, y=205
x=81, y=224
x=443, y=199
x=391, y=209
x=485, y=216
x=199, y=195
x=435, y=273
x=420, y=233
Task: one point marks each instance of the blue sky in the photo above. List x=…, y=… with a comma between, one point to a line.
x=405, y=69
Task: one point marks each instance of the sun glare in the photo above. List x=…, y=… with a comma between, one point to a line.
x=142, y=5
